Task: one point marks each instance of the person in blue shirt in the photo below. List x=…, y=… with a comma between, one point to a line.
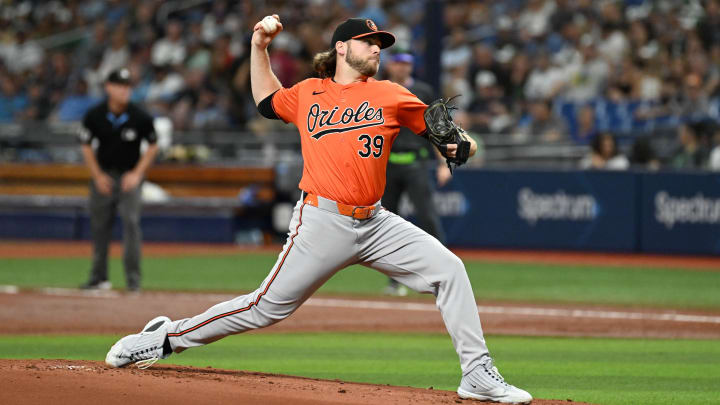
x=13, y=101
x=75, y=104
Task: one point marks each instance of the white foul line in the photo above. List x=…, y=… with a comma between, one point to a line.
x=9, y=289
x=526, y=311
x=405, y=306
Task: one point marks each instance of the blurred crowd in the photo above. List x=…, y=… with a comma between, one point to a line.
x=533, y=70
x=591, y=72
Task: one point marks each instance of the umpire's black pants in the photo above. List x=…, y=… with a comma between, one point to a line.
x=414, y=179
x=103, y=209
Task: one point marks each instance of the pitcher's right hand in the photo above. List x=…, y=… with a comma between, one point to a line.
x=260, y=38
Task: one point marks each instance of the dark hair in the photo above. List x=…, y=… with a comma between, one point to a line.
x=324, y=63
x=702, y=130
x=642, y=151
x=596, y=143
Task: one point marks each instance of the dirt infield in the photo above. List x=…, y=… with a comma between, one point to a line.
x=83, y=382
x=63, y=381
x=75, y=312
x=57, y=311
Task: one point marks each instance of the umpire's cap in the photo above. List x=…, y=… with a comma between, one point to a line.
x=119, y=76
x=355, y=28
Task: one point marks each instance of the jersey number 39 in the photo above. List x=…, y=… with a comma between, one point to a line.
x=371, y=146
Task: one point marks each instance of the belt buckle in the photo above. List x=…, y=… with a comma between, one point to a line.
x=369, y=212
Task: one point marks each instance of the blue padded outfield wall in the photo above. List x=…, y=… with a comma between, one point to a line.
x=554, y=210
x=680, y=213
x=582, y=210
x=577, y=210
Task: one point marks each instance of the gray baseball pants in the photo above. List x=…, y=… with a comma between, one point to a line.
x=322, y=242
x=103, y=209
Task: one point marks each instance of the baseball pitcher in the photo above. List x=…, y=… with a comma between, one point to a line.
x=347, y=122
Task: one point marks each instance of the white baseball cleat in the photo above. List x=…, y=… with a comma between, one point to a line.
x=485, y=383
x=143, y=349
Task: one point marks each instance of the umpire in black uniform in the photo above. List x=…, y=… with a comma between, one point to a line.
x=410, y=160
x=116, y=127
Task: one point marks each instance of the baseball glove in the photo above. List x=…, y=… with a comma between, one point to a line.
x=441, y=131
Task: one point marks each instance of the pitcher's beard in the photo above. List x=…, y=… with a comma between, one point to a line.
x=364, y=67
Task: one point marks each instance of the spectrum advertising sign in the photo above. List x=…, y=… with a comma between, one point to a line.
x=680, y=213
x=531, y=209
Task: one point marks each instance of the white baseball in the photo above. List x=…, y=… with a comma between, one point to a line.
x=269, y=24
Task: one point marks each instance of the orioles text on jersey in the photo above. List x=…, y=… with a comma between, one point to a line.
x=362, y=117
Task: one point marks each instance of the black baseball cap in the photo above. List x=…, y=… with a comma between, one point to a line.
x=119, y=76
x=355, y=28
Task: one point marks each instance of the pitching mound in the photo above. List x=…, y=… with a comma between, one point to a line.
x=87, y=382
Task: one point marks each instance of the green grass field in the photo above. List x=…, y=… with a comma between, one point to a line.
x=600, y=371
x=627, y=286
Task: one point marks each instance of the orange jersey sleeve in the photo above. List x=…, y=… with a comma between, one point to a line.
x=410, y=110
x=285, y=103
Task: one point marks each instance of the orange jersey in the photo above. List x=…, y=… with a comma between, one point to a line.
x=346, y=133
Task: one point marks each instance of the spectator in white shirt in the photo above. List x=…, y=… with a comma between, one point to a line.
x=714, y=163
x=166, y=84
x=171, y=48
x=545, y=80
x=117, y=55
x=604, y=154
x=535, y=18
x=22, y=54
